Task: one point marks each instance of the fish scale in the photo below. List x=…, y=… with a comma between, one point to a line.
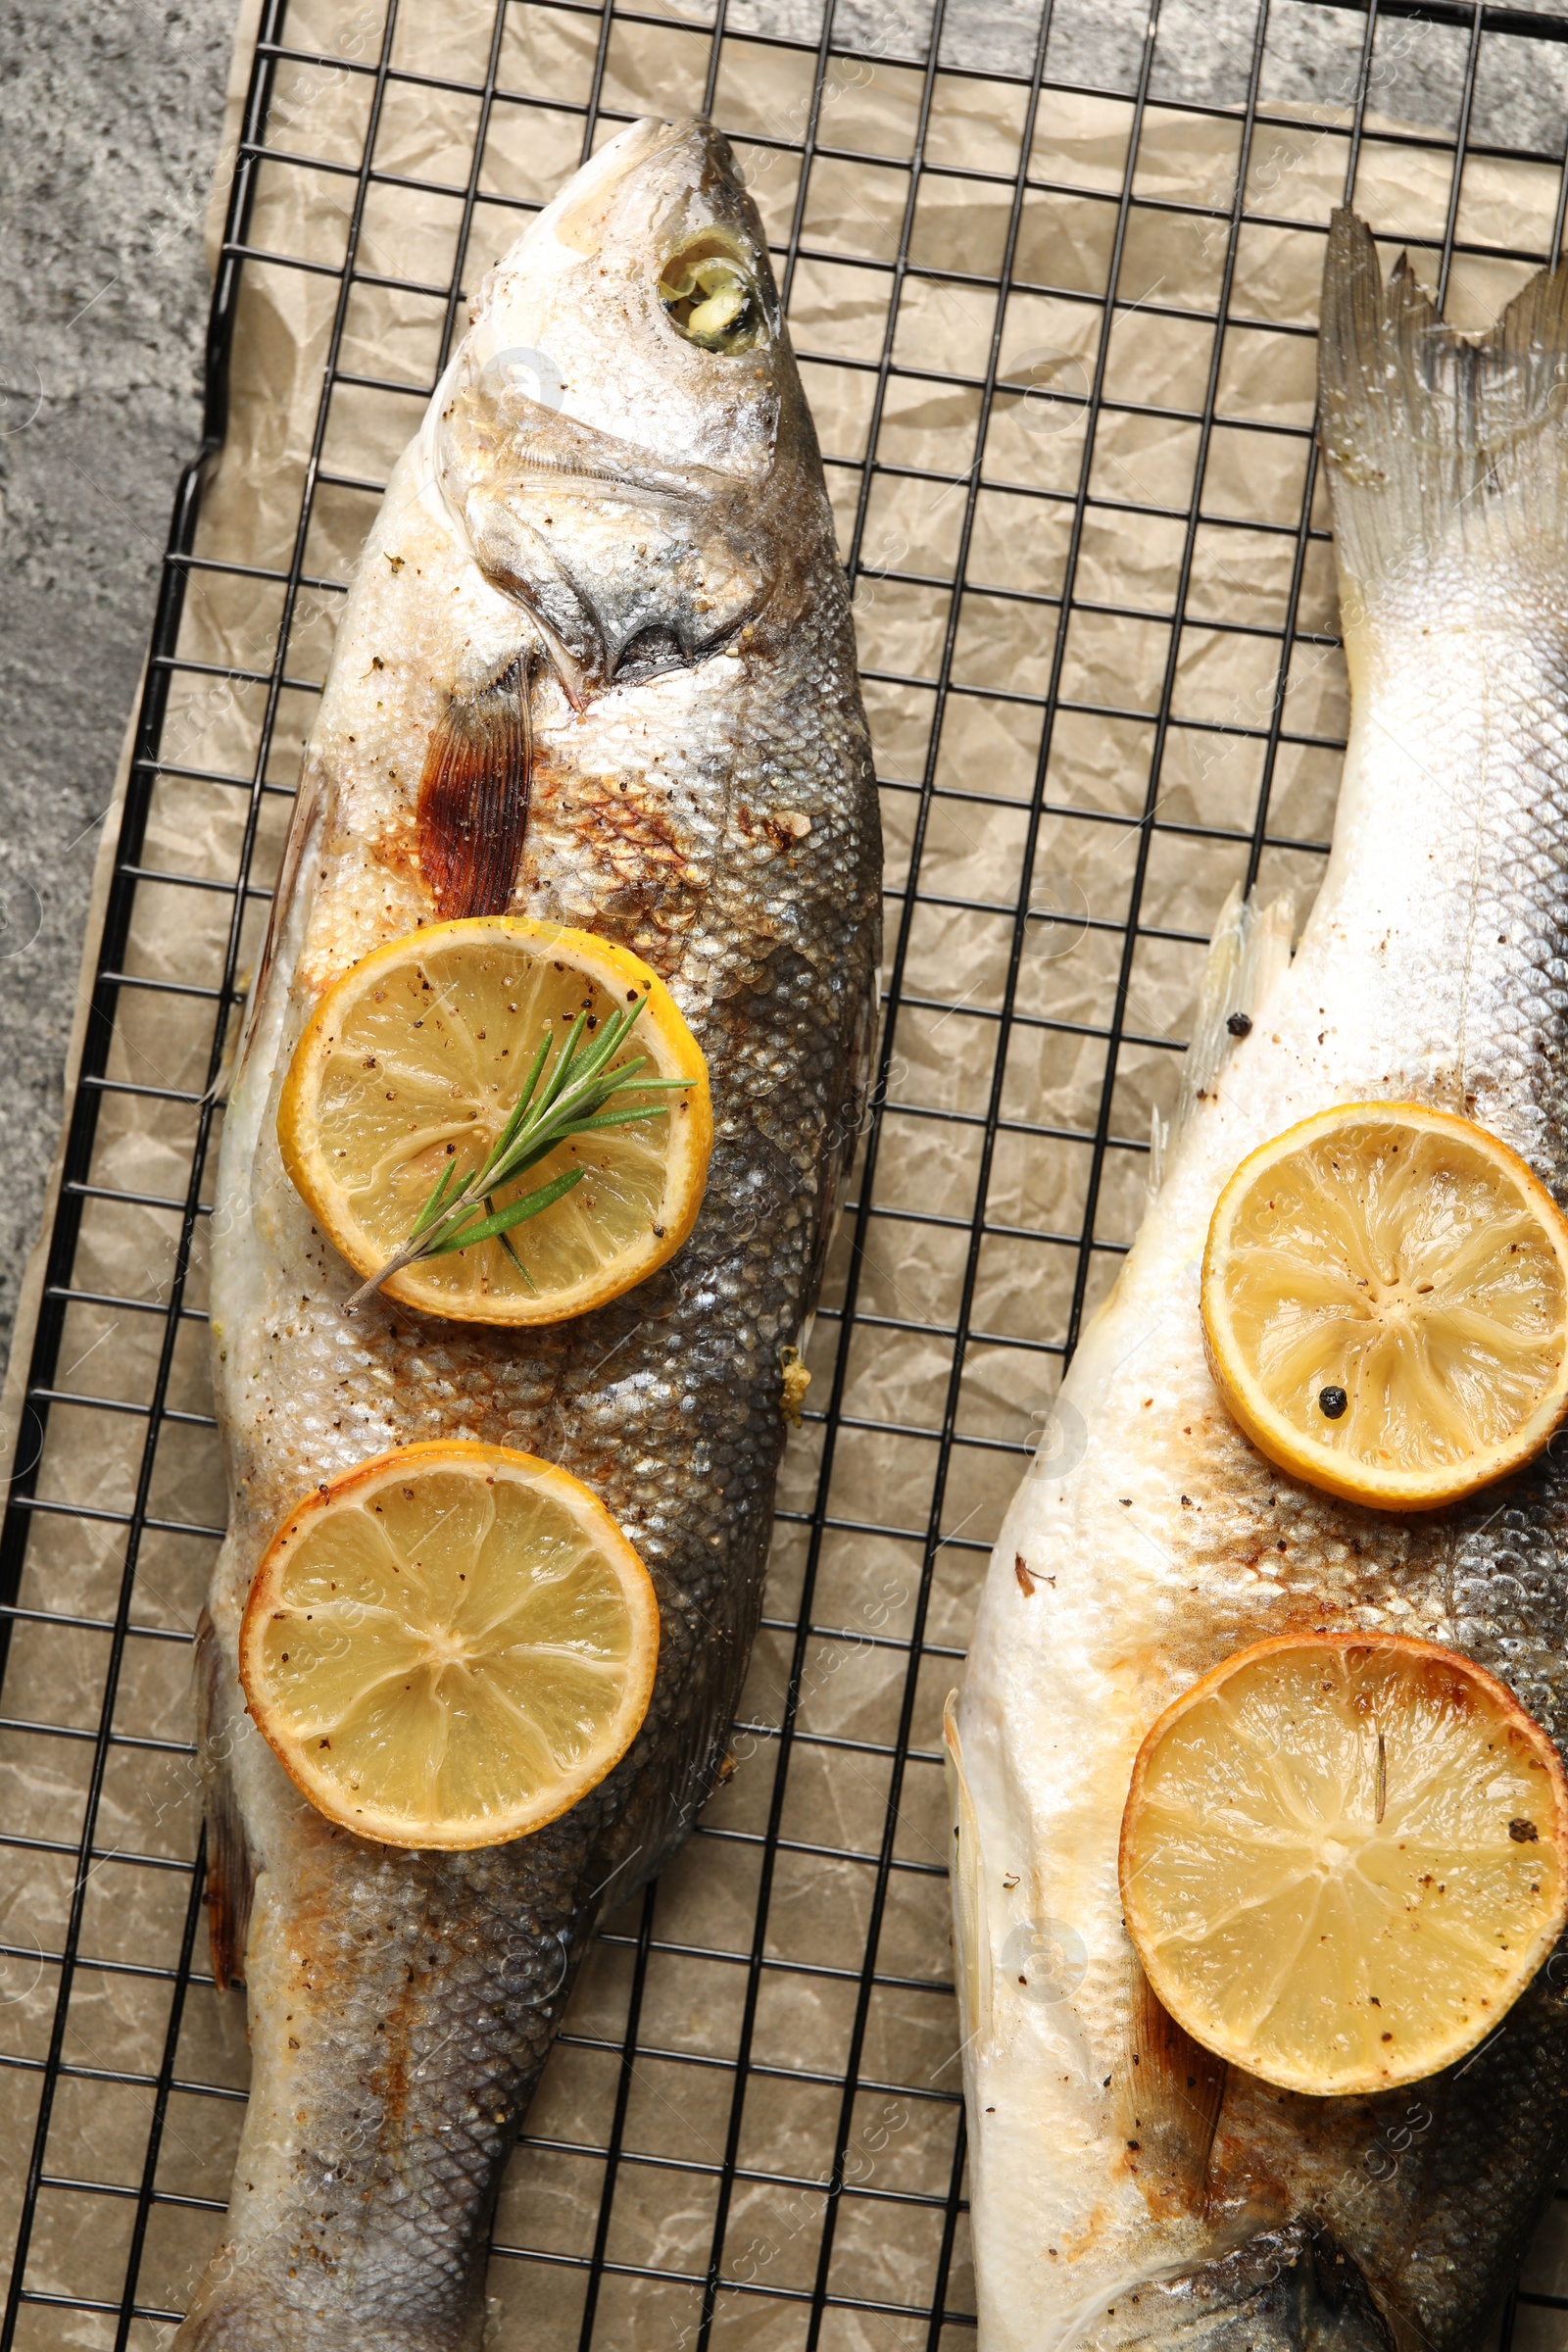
x=1123, y=2190
x=401, y=2005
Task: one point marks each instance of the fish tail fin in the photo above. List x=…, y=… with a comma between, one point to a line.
x=1250, y=948
x=1424, y=430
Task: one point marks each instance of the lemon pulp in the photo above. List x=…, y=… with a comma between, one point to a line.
x=450, y=1646
x=1386, y=1304
x=1342, y=1859
x=415, y=1060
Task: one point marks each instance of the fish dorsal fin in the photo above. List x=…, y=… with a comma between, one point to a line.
x=971, y=1949
x=231, y=1865
x=1438, y=445
x=288, y=901
x=1250, y=949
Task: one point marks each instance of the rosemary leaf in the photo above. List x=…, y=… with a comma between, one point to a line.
x=515, y=1213
x=520, y=1109
x=432, y=1207
x=557, y=1100
x=509, y=1246
x=617, y=1118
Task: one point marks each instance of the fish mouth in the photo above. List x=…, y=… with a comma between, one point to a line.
x=591, y=189
x=573, y=216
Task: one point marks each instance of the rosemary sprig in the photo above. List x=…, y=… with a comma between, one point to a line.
x=556, y=1103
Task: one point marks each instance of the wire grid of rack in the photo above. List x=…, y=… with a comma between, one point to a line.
x=771, y=2247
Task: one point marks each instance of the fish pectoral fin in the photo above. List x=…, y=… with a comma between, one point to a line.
x=473, y=796
x=1174, y=2090
x=231, y=1865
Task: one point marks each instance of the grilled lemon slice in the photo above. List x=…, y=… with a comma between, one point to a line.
x=410, y=1068
x=1343, y=1858
x=1384, y=1301
x=450, y=1646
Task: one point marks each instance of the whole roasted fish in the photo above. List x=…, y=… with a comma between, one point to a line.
x=595, y=666
x=1126, y=2189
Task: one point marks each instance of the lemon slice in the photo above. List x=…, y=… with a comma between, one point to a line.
x=1342, y=1857
x=449, y=1645
x=410, y=1067
x=1384, y=1301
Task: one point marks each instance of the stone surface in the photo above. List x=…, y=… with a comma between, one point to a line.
x=112, y=117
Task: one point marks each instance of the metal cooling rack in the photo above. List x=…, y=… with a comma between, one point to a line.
x=64, y=2285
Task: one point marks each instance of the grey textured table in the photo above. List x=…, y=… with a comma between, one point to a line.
x=110, y=116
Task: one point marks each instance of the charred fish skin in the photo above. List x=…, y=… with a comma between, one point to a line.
x=1124, y=2187
x=644, y=563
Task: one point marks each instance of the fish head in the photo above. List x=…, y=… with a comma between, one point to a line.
x=1286, y=2289
x=647, y=289
x=622, y=435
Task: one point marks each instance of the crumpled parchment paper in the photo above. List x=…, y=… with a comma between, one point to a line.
x=223, y=730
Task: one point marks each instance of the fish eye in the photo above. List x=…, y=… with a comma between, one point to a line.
x=711, y=298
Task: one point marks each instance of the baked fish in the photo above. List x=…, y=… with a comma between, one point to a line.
x=595, y=666
x=1126, y=2188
